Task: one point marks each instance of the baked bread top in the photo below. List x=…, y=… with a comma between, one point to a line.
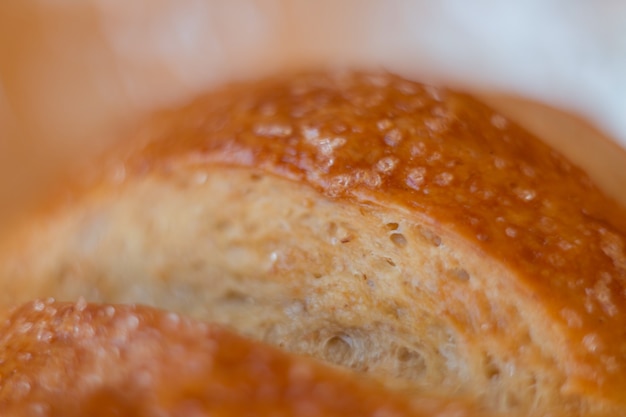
x=445, y=157
x=540, y=242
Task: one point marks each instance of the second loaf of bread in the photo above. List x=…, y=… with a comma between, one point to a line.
x=398, y=229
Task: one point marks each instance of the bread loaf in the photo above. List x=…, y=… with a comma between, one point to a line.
x=401, y=230
x=76, y=359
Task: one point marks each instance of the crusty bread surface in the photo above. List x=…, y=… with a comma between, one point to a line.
x=402, y=230
x=119, y=360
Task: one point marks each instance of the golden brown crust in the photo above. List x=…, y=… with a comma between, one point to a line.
x=79, y=359
x=444, y=156
x=448, y=161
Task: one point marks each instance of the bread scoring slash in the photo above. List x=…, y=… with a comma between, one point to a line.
x=398, y=229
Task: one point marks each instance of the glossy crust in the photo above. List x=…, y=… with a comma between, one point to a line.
x=66, y=359
x=445, y=157
x=446, y=161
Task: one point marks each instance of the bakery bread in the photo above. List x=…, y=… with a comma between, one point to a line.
x=397, y=229
x=76, y=359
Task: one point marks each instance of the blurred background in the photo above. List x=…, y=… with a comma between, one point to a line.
x=75, y=75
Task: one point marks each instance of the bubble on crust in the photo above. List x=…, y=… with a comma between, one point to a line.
x=443, y=179
x=377, y=80
x=547, y=225
x=368, y=178
x=572, y=318
x=418, y=149
x=440, y=111
x=373, y=100
x=437, y=125
x=565, y=245
x=589, y=307
x=613, y=246
x=611, y=363
x=384, y=124
x=499, y=121
x=525, y=194
x=109, y=311
x=84, y=330
x=38, y=409
x=272, y=130
x=310, y=133
x=528, y=170
x=592, y=342
x=434, y=92
x=510, y=231
x=339, y=184
x=81, y=304
x=386, y=165
x=327, y=146
x=44, y=336
x=474, y=221
x=132, y=322
x=499, y=163
x=25, y=327
x=406, y=88
x=393, y=137
x=172, y=320
x=483, y=237
x=416, y=178
x=39, y=305
x=556, y=260
x=602, y=294
x=21, y=387
x=488, y=194
x=24, y=356
x=339, y=127
x=434, y=157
